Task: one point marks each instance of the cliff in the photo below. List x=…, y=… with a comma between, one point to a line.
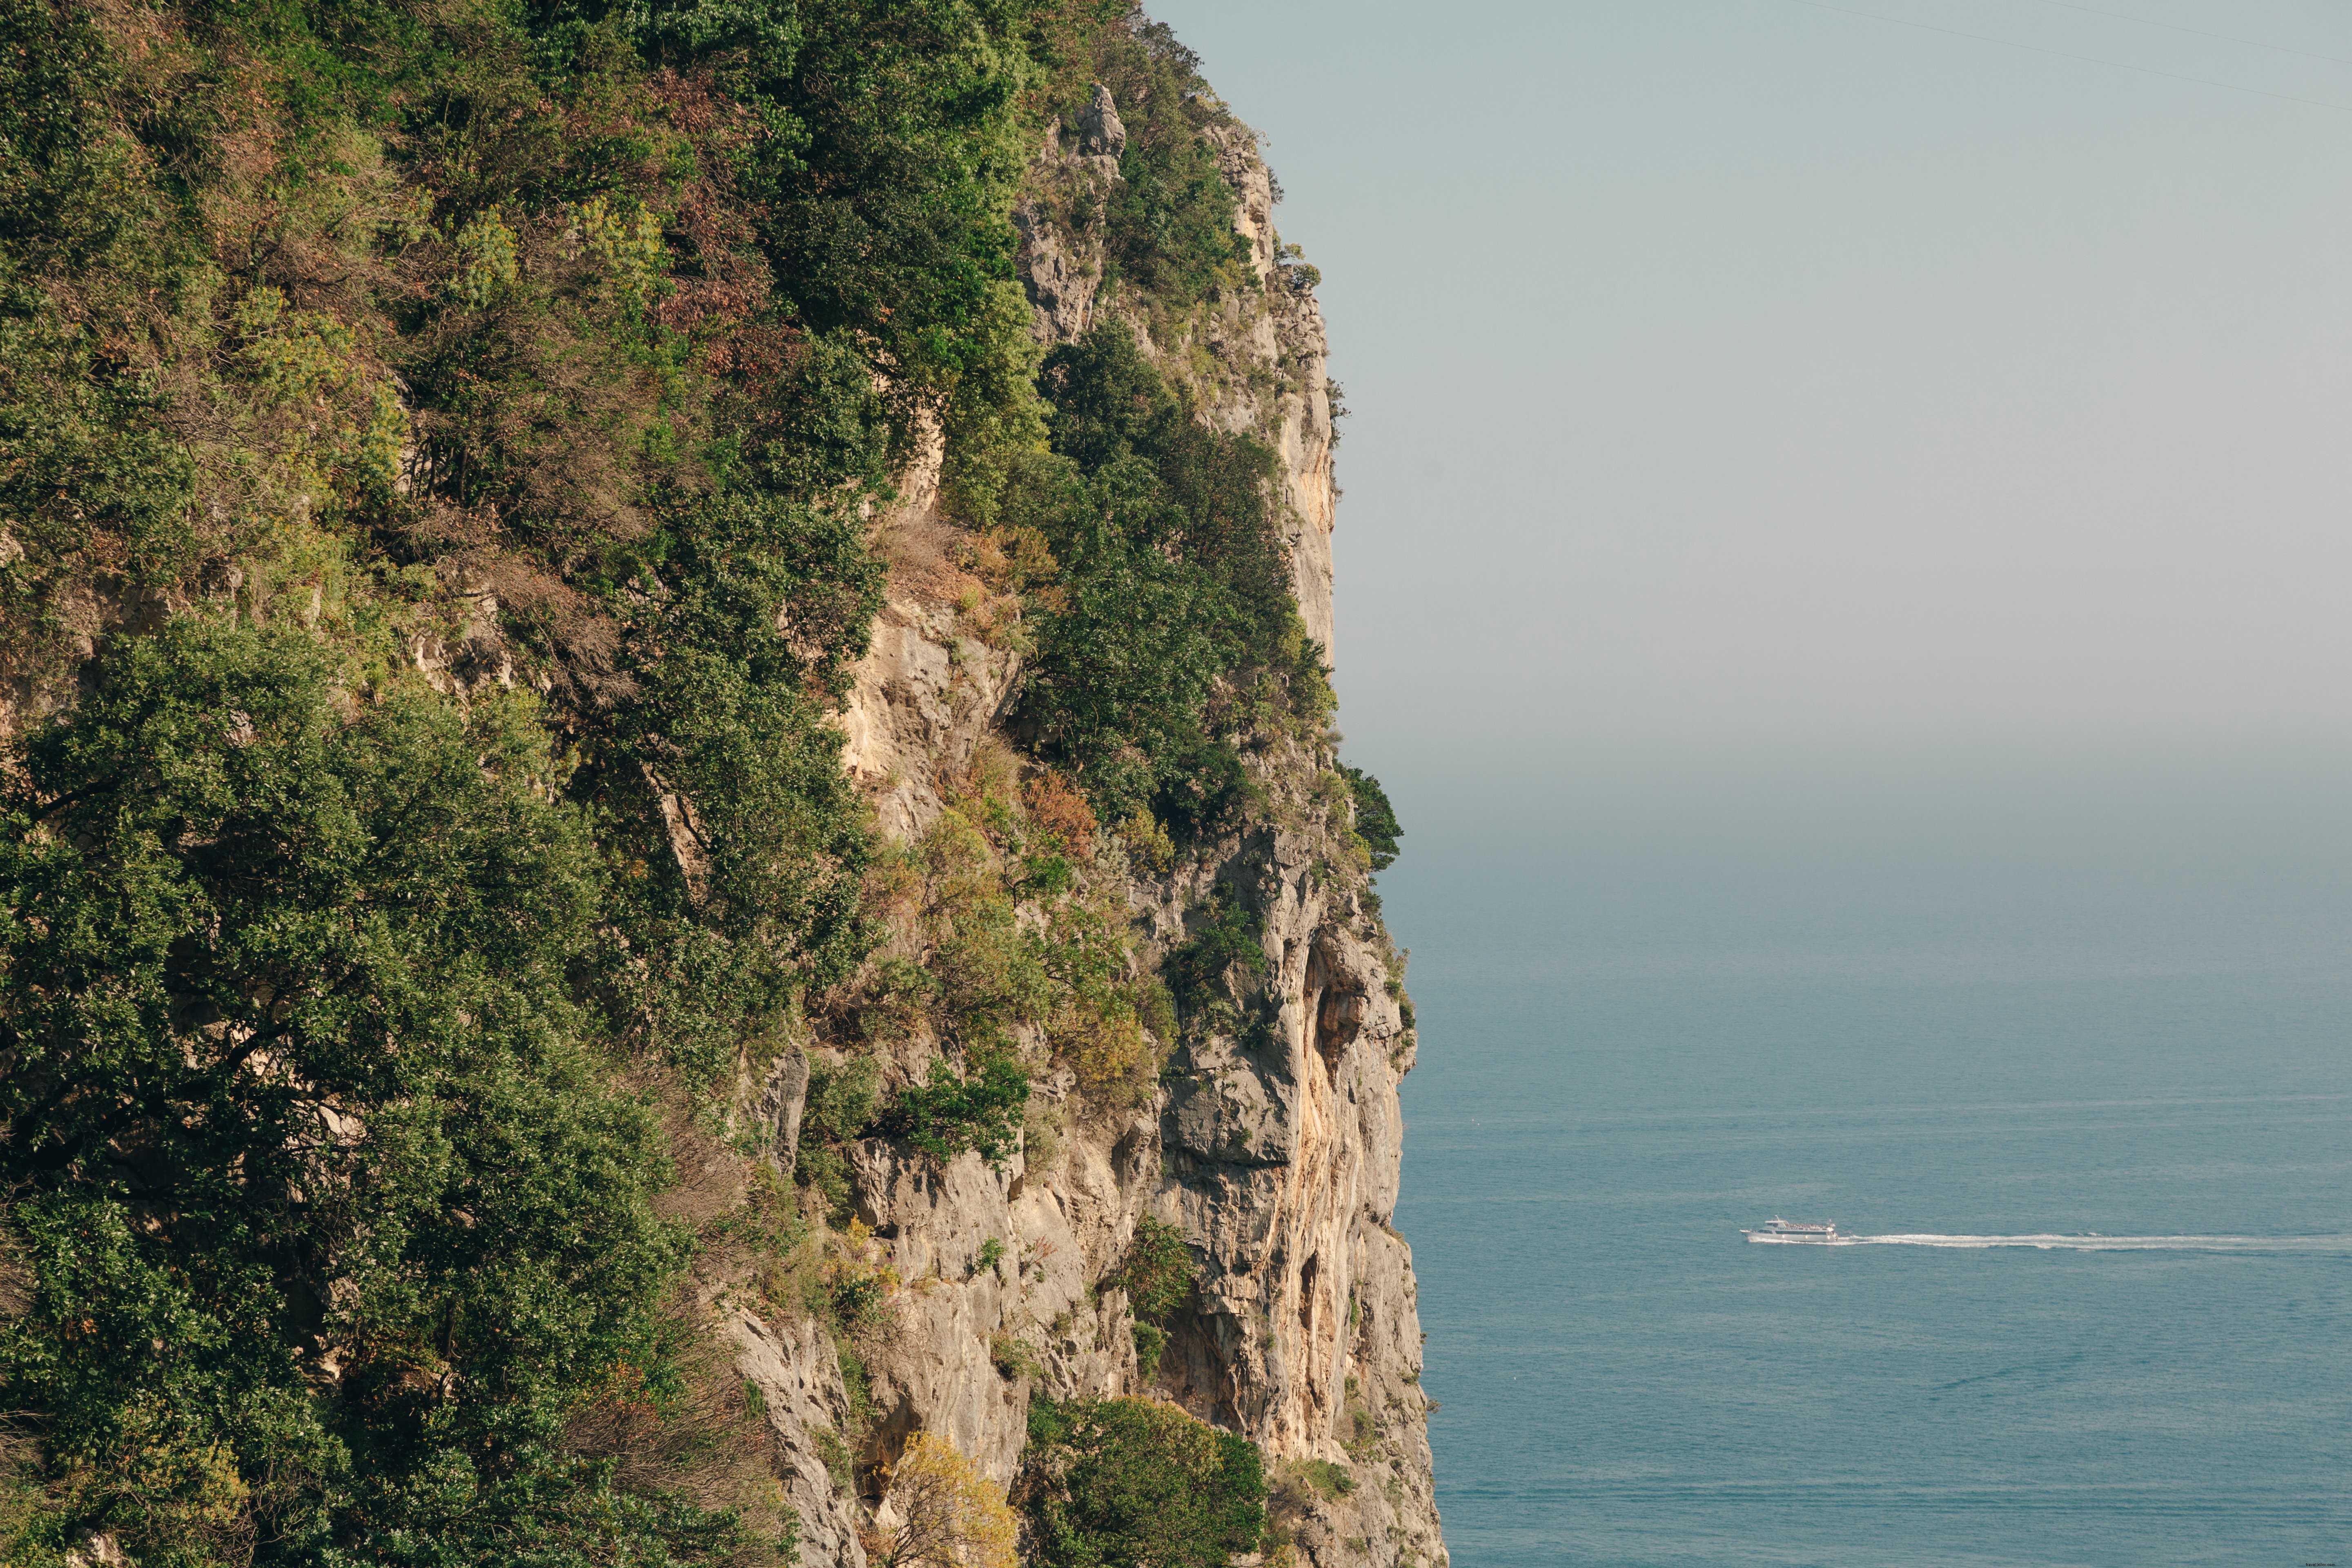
x=705, y=644
x=1280, y=1155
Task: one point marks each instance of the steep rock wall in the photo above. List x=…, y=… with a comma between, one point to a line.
x=1276, y=1150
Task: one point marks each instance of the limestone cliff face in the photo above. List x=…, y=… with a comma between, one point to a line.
x=1277, y=1149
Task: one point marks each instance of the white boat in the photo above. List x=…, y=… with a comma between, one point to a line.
x=1780, y=1230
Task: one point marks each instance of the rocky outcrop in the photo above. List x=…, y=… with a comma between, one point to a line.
x=970, y=1340
x=1100, y=133
x=798, y=1374
x=1284, y=1150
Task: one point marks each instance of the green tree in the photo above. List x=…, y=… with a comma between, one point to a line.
x=329, y=1214
x=1376, y=819
x=1130, y=1483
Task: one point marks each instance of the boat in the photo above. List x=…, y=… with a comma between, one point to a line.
x=1780, y=1230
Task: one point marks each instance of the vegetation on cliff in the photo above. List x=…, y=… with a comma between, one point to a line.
x=438, y=447
x=1127, y=1483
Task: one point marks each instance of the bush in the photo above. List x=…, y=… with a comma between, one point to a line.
x=1375, y=819
x=1159, y=1273
x=843, y=1099
x=1199, y=971
x=1016, y=933
x=1301, y=1480
x=1013, y=1358
x=1129, y=1482
x=859, y=1279
x=293, y=1063
x=839, y=1462
x=1168, y=223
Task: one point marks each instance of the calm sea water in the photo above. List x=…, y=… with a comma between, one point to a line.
x=2048, y=1003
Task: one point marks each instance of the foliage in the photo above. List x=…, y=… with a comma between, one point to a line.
x=285, y=1008
x=949, y=1516
x=1200, y=970
x=1014, y=1357
x=1168, y=223
x=782, y=1248
x=754, y=893
x=1297, y=1481
x=1159, y=1273
x=839, y=1462
x=1375, y=819
x=860, y=1280
x=1148, y=847
x=1127, y=1483
x=951, y=1114
x=1170, y=632
x=841, y=1101
x=1002, y=928
x=555, y=346
x=843, y=1098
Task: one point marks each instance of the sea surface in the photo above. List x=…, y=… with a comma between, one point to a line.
x=2071, y=1041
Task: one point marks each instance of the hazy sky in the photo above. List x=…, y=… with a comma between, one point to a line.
x=1755, y=372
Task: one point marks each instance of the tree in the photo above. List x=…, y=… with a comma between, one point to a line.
x=296, y=1101
x=1376, y=819
x=949, y=1515
x=1128, y=1483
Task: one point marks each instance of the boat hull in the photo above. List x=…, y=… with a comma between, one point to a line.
x=1774, y=1238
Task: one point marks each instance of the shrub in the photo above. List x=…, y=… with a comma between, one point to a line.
x=1060, y=815
x=1298, y=1481
x=1131, y=1483
x=1363, y=1432
x=1110, y=1052
x=860, y=1279
x=1013, y=1358
x=1151, y=1344
x=839, y=1462
x=1200, y=970
x=843, y=1098
x=1148, y=847
x=1159, y=1272
x=1168, y=223
x=303, y=965
x=1012, y=941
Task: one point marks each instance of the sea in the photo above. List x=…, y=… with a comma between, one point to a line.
x=2064, y=1043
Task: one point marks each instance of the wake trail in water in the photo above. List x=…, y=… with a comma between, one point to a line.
x=2091, y=1243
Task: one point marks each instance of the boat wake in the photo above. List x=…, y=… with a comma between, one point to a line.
x=2095, y=1243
